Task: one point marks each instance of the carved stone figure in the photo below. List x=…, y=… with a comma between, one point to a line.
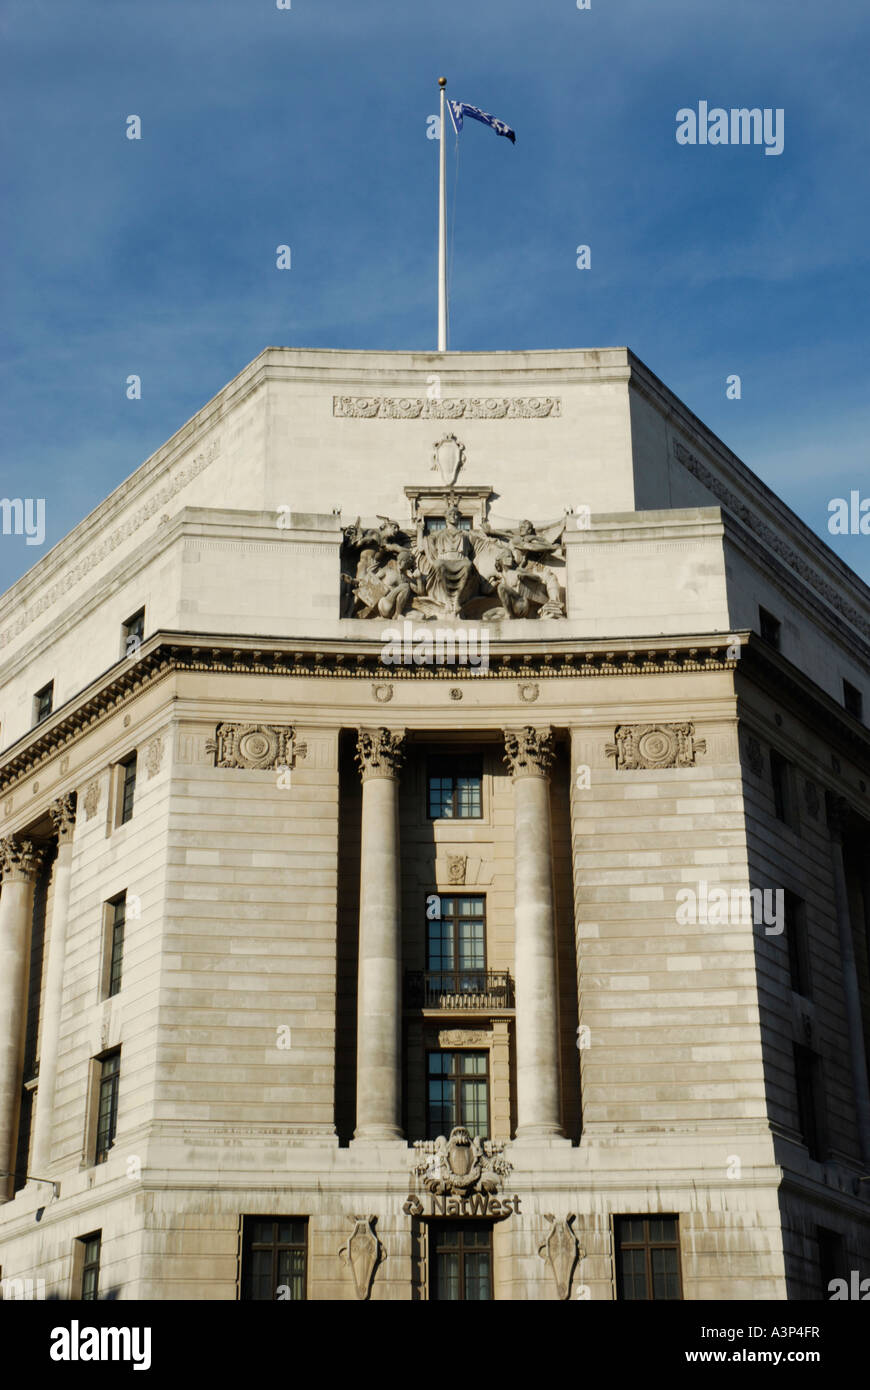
x=450, y=573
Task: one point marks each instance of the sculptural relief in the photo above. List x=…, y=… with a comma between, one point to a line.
x=451, y=573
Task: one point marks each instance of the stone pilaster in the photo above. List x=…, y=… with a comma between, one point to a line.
x=63, y=814
x=529, y=754
x=379, y=996
x=20, y=862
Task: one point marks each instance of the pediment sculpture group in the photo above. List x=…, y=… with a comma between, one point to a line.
x=484, y=574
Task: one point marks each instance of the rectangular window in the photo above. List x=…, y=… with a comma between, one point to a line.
x=458, y=1093
x=456, y=941
x=89, y=1254
x=128, y=789
x=797, y=943
x=132, y=633
x=42, y=702
x=460, y=1254
x=274, y=1258
x=455, y=785
x=117, y=917
x=769, y=627
x=107, y=1106
x=853, y=700
x=647, y=1257
x=780, y=777
x=807, y=1073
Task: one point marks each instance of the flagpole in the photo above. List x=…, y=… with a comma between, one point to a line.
x=442, y=226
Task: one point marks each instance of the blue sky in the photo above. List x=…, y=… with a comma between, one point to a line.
x=308, y=127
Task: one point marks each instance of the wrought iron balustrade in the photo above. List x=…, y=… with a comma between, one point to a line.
x=458, y=989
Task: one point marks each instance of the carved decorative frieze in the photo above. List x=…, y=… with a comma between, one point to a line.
x=71, y=576
x=654, y=746
x=753, y=522
x=460, y=1165
x=457, y=408
x=561, y=1251
x=463, y=1037
x=529, y=752
x=92, y=798
x=456, y=866
x=254, y=746
x=63, y=816
x=362, y=1253
x=380, y=752
x=154, y=755
x=20, y=860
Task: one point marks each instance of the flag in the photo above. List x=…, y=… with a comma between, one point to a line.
x=458, y=109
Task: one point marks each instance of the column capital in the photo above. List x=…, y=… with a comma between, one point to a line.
x=529, y=752
x=20, y=860
x=380, y=752
x=63, y=816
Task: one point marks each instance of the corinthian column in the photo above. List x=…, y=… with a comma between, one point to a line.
x=529, y=755
x=64, y=816
x=379, y=1003
x=837, y=813
x=20, y=861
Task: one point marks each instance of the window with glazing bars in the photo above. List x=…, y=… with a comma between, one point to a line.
x=647, y=1257
x=90, y=1255
x=107, y=1107
x=458, y=1093
x=274, y=1258
x=128, y=789
x=460, y=1257
x=455, y=788
x=456, y=941
x=118, y=917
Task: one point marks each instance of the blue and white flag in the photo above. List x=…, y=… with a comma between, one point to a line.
x=458, y=109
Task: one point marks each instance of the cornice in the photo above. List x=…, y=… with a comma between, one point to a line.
x=167, y=652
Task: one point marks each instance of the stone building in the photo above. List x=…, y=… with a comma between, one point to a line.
x=435, y=826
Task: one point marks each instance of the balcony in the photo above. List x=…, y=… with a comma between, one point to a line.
x=458, y=989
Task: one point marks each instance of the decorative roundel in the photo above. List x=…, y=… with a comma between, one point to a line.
x=657, y=747
x=258, y=747
x=455, y=692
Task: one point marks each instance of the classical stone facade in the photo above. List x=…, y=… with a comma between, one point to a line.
x=436, y=887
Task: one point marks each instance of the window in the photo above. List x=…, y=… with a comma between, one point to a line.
x=647, y=1257
x=458, y=1092
x=853, y=700
x=832, y=1259
x=456, y=941
x=455, y=788
x=107, y=1106
x=781, y=783
x=808, y=1089
x=797, y=943
x=89, y=1254
x=769, y=627
x=461, y=1261
x=274, y=1258
x=128, y=789
x=438, y=523
x=42, y=702
x=132, y=633
x=117, y=915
